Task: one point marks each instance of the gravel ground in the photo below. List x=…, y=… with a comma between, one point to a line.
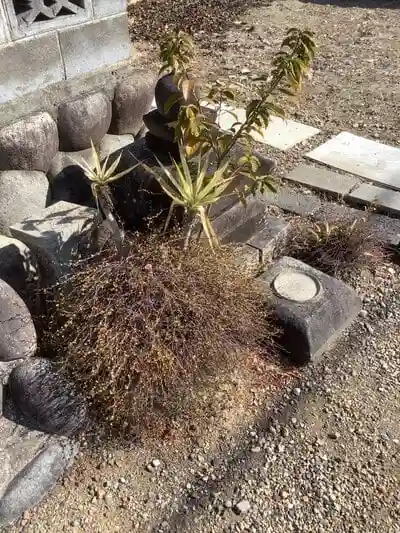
x=317, y=451
x=356, y=75
x=276, y=450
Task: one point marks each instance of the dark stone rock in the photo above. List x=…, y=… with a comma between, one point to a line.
x=47, y=398
x=17, y=332
x=82, y=120
x=22, y=193
x=29, y=144
x=164, y=90
x=35, y=480
x=138, y=196
x=158, y=126
x=310, y=327
x=133, y=99
x=67, y=180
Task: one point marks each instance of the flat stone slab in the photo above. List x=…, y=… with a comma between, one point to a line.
x=311, y=307
x=282, y=134
x=323, y=180
x=369, y=159
x=384, y=199
x=55, y=232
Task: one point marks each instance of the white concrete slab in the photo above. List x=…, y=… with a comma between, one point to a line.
x=369, y=159
x=280, y=134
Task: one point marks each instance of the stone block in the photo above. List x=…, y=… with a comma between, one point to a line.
x=88, y=47
x=269, y=236
x=238, y=224
x=384, y=199
x=133, y=99
x=311, y=307
x=29, y=64
x=17, y=332
x=29, y=144
x=102, y=8
x=82, y=120
x=56, y=232
x=323, y=180
x=22, y=193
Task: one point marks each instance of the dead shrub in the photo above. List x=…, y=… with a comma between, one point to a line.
x=139, y=333
x=337, y=248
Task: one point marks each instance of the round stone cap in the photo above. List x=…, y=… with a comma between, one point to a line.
x=296, y=286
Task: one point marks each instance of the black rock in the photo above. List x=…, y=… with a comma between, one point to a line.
x=158, y=126
x=165, y=89
x=47, y=398
x=17, y=332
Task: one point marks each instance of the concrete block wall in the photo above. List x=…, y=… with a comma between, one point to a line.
x=43, y=42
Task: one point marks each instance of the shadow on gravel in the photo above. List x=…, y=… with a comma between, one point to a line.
x=150, y=19
x=368, y=4
x=241, y=460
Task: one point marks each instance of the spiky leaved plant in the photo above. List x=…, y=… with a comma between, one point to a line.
x=100, y=177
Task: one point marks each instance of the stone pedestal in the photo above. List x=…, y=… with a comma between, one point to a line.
x=311, y=307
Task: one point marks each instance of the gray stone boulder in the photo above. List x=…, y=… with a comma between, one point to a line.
x=19, y=268
x=29, y=144
x=158, y=126
x=83, y=119
x=17, y=331
x=22, y=193
x=133, y=99
x=311, y=307
x=46, y=398
x=35, y=479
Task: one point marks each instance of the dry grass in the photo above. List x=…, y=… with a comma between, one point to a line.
x=142, y=333
x=338, y=248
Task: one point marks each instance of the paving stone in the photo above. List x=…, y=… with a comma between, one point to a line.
x=36, y=479
x=281, y=134
x=56, y=232
x=369, y=159
x=239, y=224
x=292, y=201
x=385, y=199
x=313, y=323
x=323, y=180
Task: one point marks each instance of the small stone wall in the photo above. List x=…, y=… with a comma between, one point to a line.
x=44, y=42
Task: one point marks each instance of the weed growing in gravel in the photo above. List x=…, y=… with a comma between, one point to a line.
x=337, y=248
x=139, y=333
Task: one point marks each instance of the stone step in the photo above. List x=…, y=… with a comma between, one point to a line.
x=323, y=180
x=383, y=199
